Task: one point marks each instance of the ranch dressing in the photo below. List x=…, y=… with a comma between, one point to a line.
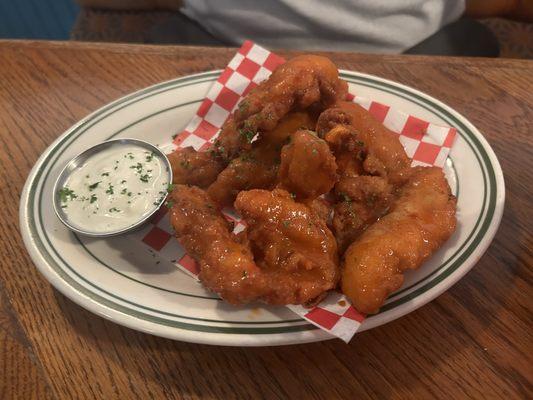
x=114, y=189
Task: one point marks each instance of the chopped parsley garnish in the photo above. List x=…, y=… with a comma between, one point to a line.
x=130, y=156
x=114, y=209
x=286, y=223
x=243, y=106
x=314, y=151
x=360, y=143
x=123, y=181
x=105, y=174
x=110, y=189
x=145, y=178
x=87, y=176
x=150, y=157
x=93, y=199
x=138, y=167
x=64, y=206
x=66, y=194
x=170, y=187
x=174, y=136
x=94, y=185
x=247, y=134
x=124, y=191
x=346, y=198
x=129, y=194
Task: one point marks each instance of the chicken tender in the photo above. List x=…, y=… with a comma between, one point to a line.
x=257, y=168
x=308, y=167
x=191, y=167
x=291, y=244
x=383, y=153
x=419, y=222
x=295, y=252
x=227, y=267
x=372, y=165
x=303, y=82
x=362, y=200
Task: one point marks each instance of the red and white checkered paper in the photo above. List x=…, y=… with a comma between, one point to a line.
x=427, y=144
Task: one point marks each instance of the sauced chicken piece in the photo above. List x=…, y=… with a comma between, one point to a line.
x=419, y=222
x=362, y=200
x=296, y=264
x=192, y=167
x=321, y=207
x=372, y=165
x=257, y=168
x=383, y=153
x=227, y=267
x=308, y=167
x=291, y=244
x=303, y=82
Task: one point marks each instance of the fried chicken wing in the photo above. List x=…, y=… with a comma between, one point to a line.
x=362, y=200
x=257, y=168
x=303, y=82
x=295, y=254
x=291, y=244
x=192, y=167
x=372, y=165
x=419, y=222
x=308, y=167
x=227, y=267
x=383, y=153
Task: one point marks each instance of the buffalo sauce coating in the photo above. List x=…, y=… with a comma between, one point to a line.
x=257, y=168
x=385, y=155
x=291, y=244
x=300, y=83
x=294, y=256
x=308, y=168
x=420, y=220
x=226, y=266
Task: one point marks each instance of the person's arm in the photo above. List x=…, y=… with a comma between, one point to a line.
x=515, y=9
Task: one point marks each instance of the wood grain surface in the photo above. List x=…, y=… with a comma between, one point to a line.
x=474, y=341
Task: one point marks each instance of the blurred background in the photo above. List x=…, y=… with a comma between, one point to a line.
x=490, y=28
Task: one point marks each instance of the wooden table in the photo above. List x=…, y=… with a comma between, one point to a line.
x=473, y=341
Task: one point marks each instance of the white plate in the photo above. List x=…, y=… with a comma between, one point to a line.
x=124, y=283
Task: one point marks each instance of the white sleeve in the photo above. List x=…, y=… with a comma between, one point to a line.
x=390, y=26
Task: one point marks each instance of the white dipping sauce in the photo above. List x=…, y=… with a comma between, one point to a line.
x=114, y=188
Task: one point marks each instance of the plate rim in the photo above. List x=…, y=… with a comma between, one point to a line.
x=229, y=339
